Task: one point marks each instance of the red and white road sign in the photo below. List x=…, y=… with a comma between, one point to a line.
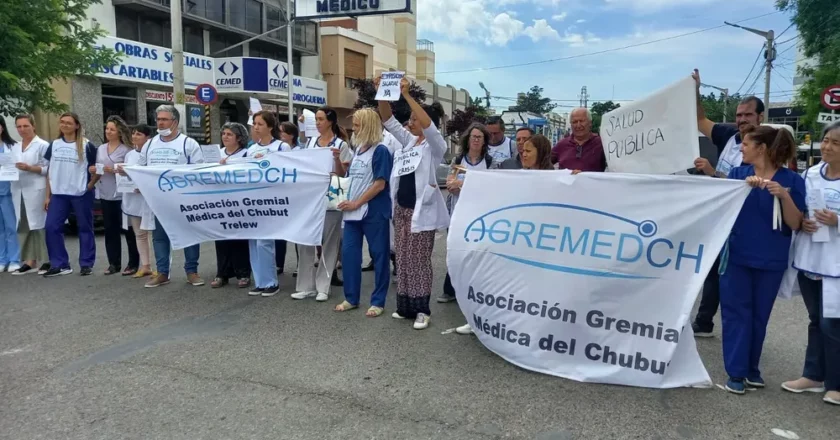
x=831, y=97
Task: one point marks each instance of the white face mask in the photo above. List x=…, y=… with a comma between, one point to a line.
x=165, y=132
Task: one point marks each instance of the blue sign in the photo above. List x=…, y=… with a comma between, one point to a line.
x=206, y=94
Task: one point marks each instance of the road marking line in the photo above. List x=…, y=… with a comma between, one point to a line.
x=13, y=351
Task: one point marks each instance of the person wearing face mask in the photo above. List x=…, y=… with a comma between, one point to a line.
x=419, y=207
x=755, y=258
x=28, y=193
x=139, y=216
x=266, y=133
x=171, y=147
x=70, y=186
x=501, y=147
x=107, y=156
x=727, y=139
x=315, y=281
x=523, y=134
x=819, y=273
x=9, y=246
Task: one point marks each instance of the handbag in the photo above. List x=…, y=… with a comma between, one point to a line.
x=337, y=192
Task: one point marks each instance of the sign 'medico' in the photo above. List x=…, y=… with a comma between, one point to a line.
x=312, y=9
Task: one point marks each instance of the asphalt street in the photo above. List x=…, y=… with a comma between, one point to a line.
x=103, y=358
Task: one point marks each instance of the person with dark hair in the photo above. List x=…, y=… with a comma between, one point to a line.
x=108, y=155
x=523, y=135
x=28, y=194
x=727, y=139
x=9, y=246
x=290, y=134
x=818, y=269
x=536, y=154
x=140, y=217
x=419, y=208
x=755, y=257
x=70, y=186
x=500, y=146
x=474, y=155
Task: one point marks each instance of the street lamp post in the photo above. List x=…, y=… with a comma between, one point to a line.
x=725, y=98
x=487, y=93
x=769, y=56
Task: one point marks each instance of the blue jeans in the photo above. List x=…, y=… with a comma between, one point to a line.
x=262, y=263
x=57, y=214
x=747, y=296
x=163, y=248
x=377, y=232
x=9, y=246
x=822, y=357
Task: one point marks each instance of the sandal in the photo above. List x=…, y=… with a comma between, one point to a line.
x=112, y=270
x=129, y=271
x=218, y=282
x=345, y=306
x=142, y=273
x=243, y=283
x=374, y=312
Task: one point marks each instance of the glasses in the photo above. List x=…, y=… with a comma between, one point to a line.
x=477, y=138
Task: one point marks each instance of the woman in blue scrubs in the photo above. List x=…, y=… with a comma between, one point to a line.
x=752, y=270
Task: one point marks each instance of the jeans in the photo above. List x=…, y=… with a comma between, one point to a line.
x=163, y=248
x=262, y=263
x=710, y=299
x=9, y=245
x=57, y=214
x=375, y=229
x=112, y=217
x=822, y=357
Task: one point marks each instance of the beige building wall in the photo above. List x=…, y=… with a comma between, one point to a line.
x=334, y=42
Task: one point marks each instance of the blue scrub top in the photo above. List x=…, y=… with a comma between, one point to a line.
x=753, y=242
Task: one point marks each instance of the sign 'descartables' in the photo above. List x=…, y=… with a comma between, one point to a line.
x=313, y=9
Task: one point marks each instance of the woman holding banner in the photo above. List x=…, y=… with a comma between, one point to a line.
x=756, y=256
x=266, y=131
x=816, y=256
x=233, y=256
x=315, y=281
x=367, y=213
x=140, y=216
x=419, y=208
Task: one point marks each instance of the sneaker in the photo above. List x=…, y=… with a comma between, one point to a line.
x=701, y=332
x=303, y=295
x=444, y=298
x=422, y=321
x=270, y=291
x=396, y=315
x=832, y=397
x=157, y=281
x=56, y=272
x=256, y=291
x=803, y=385
x=14, y=267
x=85, y=271
x=465, y=329
x=756, y=382
x=23, y=270
x=44, y=268
x=321, y=297
x=735, y=386
x=194, y=279
x=2, y=268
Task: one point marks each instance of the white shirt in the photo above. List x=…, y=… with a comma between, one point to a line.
x=502, y=152
x=240, y=153
x=481, y=165
x=258, y=149
x=820, y=258
x=730, y=157
x=345, y=153
x=68, y=175
x=179, y=151
x=391, y=142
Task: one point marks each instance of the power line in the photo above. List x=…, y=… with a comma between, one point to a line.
x=755, y=63
x=752, y=87
x=630, y=46
x=786, y=29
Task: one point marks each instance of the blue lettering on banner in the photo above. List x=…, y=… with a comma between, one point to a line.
x=630, y=242
x=229, y=81
x=324, y=6
x=263, y=172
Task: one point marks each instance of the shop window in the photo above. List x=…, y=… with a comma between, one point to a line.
x=219, y=42
x=274, y=18
x=128, y=26
x=354, y=66
x=194, y=40
x=119, y=101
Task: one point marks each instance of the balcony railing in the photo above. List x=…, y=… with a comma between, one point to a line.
x=425, y=45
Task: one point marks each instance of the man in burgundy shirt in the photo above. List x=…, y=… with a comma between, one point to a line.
x=582, y=151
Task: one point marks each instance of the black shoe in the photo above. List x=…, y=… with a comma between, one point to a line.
x=85, y=271
x=701, y=332
x=279, y=271
x=294, y=274
x=270, y=291
x=444, y=298
x=44, y=268
x=23, y=270
x=56, y=272
x=336, y=281
x=256, y=291
x=368, y=268
x=111, y=270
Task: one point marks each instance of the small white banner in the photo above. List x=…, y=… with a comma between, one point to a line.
x=654, y=135
x=279, y=197
x=389, y=86
x=594, y=289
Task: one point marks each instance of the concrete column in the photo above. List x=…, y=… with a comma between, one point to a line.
x=87, y=103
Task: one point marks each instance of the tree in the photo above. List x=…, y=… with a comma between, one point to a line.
x=715, y=106
x=533, y=102
x=598, y=110
x=367, y=98
x=461, y=120
x=45, y=40
x=480, y=109
x=819, y=29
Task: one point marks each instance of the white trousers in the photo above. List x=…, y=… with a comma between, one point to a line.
x=317, y=279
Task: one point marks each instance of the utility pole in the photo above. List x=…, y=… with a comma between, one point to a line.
x=289, y=60
x=725, y=98
x=769, y=56
x=486, y=93
x=584, y=97
x=178, y=63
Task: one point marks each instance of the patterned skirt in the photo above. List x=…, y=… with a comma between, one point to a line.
x=414, y=265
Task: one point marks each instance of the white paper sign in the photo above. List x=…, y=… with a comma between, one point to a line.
x=594, y=289
x=654, y=135
x=254, y=106
x=8, y=172
x=279, y=197
x=389, y=87
x=212, y=153
x=815, y=200
x=124, y=183
x=309, y=127
x=406, y=161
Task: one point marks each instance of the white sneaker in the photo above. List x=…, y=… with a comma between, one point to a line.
x=2, y=269
x=464, y=330
x=396, y=315
x=322, y=297
x=422, y=321
x=13, y=268
x=303, y=295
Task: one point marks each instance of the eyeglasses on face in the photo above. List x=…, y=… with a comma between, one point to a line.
x=477, y=138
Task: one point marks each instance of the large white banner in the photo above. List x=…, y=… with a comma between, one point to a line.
x=278, y=197
x=590, y=281
x=654, y=135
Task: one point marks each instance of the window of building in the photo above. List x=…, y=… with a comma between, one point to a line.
x=248, y=18
x=274, y=18
x=127, y=25
x=219, y=42
x=354, y=66
x=213, y=10
x=260, y=49
x=156, y=32
x=194, y=40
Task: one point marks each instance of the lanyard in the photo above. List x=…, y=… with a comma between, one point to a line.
x=331, y=144
x=231, y=154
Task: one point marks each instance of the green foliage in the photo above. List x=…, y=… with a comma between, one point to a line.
x=534, y=102
x=598, y=110
x=479, y=105
x=461, y=120
x=714, y=106
x=44, y=40
x=818, y=22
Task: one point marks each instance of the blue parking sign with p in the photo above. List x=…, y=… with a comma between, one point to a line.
x=206, y=94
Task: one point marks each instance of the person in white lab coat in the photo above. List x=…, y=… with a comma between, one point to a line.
x=28, y=194
x=419, y=208
x=9, y=246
